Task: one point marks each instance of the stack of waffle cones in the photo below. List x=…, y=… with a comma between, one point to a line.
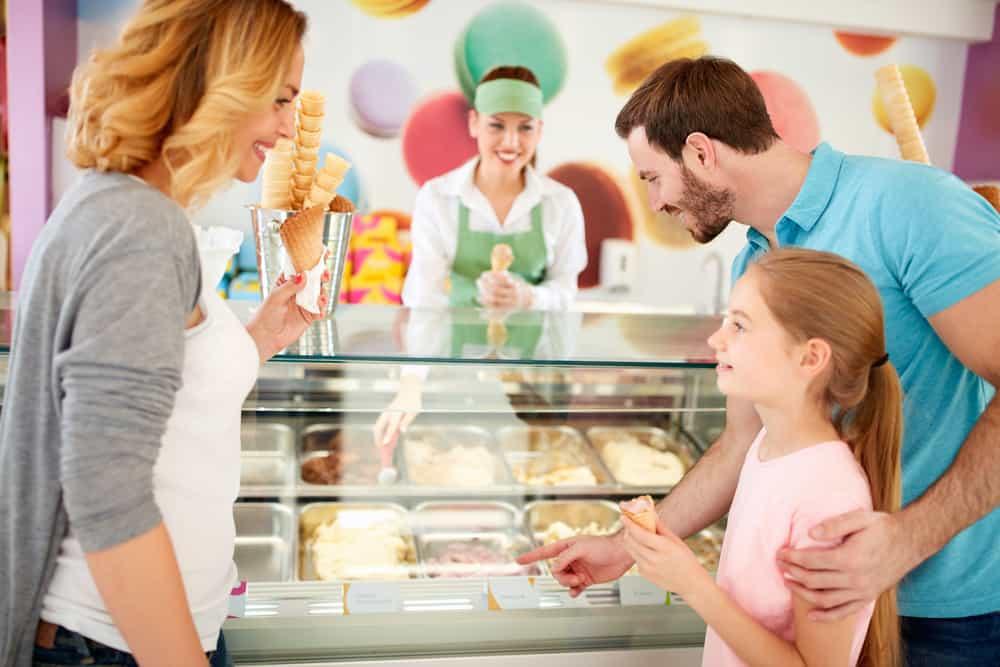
x=902, y=120
x=291, y=178
x=309, y=123
x=278, y=176
x=327, y=181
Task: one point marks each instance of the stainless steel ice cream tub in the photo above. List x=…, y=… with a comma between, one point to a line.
x=340, y=455
x=644, y=441
x=265, y=542
x=369, y=530
x=336, y=239
x=267, y=453
x=470, y=539
x=551, y=456
x=452, y=457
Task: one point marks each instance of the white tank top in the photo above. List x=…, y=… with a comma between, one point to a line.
x=195, y=481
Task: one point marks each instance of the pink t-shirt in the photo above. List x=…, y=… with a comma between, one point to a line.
x=777, y=502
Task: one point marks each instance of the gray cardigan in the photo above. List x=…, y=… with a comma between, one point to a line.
x=95, y=364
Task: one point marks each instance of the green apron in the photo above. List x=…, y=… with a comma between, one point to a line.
x=472, y=259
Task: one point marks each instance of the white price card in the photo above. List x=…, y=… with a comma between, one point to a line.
x=636, y=591
x=372, y=597
x=512, y=593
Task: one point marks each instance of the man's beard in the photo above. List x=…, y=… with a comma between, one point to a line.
x=708, y=210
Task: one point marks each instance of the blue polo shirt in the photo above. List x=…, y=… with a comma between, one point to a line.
x=927, y=241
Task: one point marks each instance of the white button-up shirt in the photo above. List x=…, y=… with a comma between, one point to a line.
x=434, y=232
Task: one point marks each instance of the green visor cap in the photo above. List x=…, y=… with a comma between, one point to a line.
x=508, y=96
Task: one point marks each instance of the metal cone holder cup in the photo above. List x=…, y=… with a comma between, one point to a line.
x=336, y=240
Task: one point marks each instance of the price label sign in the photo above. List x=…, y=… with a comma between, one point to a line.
x=512, y=593
x=635, y=591
x=372, y=597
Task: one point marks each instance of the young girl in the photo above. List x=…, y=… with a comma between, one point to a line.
x=803, y=340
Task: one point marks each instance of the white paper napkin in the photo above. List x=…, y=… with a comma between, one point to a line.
x=308, y=298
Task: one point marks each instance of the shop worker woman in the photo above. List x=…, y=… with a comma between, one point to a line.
x=120, y=435
x=497, y=198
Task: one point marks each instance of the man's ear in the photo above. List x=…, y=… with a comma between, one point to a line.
x=699, y=148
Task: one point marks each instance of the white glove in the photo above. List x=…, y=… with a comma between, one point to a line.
x=504, y=290
x=401, y=412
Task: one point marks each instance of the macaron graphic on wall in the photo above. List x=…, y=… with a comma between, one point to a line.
x=398, y=77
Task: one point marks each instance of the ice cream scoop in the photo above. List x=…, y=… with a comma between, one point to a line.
x=388, y=474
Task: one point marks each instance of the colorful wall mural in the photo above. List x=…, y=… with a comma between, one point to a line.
x=398, y=75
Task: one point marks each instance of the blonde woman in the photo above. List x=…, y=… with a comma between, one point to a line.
x=119, y=442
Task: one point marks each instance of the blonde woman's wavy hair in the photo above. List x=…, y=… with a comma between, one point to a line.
x=183, y=77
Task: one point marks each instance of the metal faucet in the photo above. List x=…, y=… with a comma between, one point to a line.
x=715, y=258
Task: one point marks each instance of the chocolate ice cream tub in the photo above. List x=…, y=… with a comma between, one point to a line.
x=267, y=454
x=470, y=539
x=265, y=542
x=551, y=456
x=361, y=541
x=339, y=455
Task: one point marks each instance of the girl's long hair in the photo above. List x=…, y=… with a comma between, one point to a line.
x=817, y=294
x=183, y=77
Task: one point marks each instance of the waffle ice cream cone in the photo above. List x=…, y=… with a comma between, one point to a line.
x=319, y=197
x=277, y=173
x=299, y=195
x=304, y=166
x=336, y=167
x=312, y=102
x=301, y=181
x=902, y=120
x=642, y=510
x=309, y=122
x=501, y=258
x=309, y=138
x=302, y=236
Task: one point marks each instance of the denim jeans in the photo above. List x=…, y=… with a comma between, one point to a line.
x=73, y=649
x=973, y=641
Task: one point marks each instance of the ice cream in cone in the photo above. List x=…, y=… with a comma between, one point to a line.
x=341, y=204
x=501, y=258
x=302, y=236
x=642, y=510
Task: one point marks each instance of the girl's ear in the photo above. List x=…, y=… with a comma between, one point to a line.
x=816, y=356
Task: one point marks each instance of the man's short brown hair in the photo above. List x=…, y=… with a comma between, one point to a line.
x=710, y=95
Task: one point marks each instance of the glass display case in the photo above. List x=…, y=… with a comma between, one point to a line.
x=530, y=428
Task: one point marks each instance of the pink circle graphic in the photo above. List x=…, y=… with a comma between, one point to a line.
x=436, y=136
x=791, y=111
